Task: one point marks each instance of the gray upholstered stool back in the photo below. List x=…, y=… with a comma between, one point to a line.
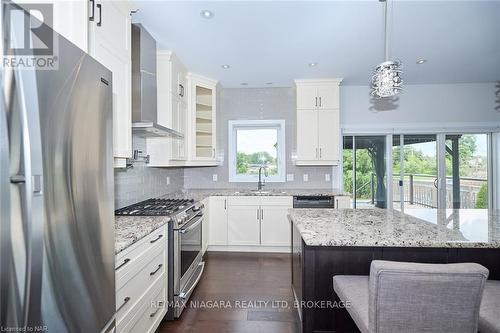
x=411, y=297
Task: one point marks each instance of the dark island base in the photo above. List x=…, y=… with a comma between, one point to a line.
x=313, y=268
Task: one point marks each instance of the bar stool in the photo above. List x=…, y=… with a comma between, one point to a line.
x=413, y=297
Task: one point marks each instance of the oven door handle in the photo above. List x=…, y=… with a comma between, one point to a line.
x=185, y=294
x=191, y=227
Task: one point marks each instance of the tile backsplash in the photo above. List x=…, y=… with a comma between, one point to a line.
x=259, y=103
x=142, y=182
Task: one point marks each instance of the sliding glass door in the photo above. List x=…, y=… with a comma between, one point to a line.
x=427, y=170
x=364, y=171
x=467, y=171
x=415, y=171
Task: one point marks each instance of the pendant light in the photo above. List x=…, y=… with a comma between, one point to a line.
x=386, y=79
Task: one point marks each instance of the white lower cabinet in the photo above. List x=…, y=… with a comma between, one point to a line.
x=243, y=225
x=217, y=221
x=141, y=280
x=258, y=221
x=274, y=226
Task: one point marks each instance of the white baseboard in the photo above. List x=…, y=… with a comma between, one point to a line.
x=249, y=248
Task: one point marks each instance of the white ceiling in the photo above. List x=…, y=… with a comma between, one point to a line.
x=273, y=41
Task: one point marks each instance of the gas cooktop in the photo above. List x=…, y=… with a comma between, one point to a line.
x=155, y=207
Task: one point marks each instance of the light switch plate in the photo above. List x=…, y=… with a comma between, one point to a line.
x=215, y=177
x=305, y=177
x=289, y=177
x=327, y=177
x=168, y=180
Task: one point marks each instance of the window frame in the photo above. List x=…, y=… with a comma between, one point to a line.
x=233, y=126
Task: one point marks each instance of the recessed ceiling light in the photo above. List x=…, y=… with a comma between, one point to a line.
x=207, y=14
x=421, y=61
x=244, y=84
x=225, y=66
x=313, y=64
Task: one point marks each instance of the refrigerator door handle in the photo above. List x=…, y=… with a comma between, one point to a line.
x=21, y=87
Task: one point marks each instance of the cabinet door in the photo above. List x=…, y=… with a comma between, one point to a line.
x=307, y=135
x=243, y=225
x=307, y=97
x=328, y=96
x=109, y=43
x=217, y=216
x=329, y=136
x=179, y=113
x=275, y=227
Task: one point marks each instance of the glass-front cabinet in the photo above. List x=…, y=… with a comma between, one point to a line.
x=202, y=123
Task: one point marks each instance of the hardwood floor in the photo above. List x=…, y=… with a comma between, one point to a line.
x=247, y=287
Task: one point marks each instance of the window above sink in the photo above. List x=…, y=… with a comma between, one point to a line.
x=254, y=144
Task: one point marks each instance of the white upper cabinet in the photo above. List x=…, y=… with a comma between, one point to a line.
x=202, y=106
x=110, y=44
x=318, y=122
x=172, y=111
x=317, y=94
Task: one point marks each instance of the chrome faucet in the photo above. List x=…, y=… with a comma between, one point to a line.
x=261, y=182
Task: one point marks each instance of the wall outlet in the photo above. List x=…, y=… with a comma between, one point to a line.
x=168, y=180
x=289, y=177
x=215, y=177
x=305, y=177
x=327, y=177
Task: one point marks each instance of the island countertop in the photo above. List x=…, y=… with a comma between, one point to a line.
x=460, y=228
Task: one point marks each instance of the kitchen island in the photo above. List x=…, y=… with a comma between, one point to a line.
x=328, y=242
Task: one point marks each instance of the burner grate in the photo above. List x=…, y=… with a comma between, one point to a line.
x=154, y=207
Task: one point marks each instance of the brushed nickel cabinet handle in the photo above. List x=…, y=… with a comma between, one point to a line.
x=91, y=16
x=156, y=270
x=157, y=239
x=320, y=155
x=316, y=99
x=125, y=301
x=99, y=6
x=126, y=261
x=320, y=101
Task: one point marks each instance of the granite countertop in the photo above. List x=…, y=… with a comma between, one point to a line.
x=200, y=194
x=464, y=228
x=130, y=229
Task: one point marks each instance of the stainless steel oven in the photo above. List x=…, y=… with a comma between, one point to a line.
x=188, y=265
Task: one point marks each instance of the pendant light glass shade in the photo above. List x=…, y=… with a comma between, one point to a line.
x=386, y=80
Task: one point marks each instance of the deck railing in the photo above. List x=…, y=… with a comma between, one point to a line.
x=421, y=190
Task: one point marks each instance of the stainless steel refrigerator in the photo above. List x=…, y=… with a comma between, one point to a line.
x=56, y=188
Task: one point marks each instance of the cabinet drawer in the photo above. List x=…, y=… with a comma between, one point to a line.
x=150, y=310
x=129, y=295
x=128, y=262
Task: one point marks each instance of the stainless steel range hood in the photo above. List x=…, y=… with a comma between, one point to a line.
x=144, y=103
